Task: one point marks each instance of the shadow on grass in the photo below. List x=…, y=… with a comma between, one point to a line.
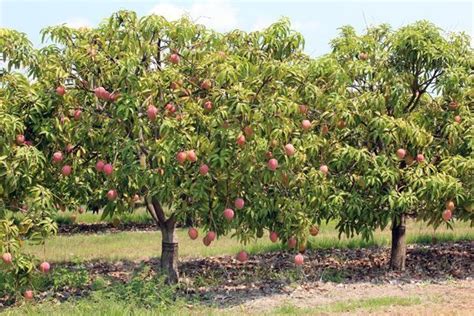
x=225, y=282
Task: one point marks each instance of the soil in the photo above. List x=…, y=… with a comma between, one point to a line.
x=83, y=228
x=440, y=298
x=106, y=228
x=334, y=271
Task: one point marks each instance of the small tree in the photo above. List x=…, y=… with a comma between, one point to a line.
x=201, y=125
x=406, y=130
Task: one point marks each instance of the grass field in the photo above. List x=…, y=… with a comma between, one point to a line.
x=143, y=245
x=96, y=307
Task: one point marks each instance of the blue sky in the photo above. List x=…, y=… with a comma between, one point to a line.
x=316, y=20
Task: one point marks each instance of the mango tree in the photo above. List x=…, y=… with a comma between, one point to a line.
x=25, y=202
x=201, y=125
x=405, y=139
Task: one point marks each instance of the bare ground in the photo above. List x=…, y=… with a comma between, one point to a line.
x=442, y=298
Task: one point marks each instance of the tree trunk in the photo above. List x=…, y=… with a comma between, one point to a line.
x=169, y=252
x=399, y=246
x=169, y=242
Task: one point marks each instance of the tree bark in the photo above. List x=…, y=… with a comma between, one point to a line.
x=169, y=252
x=169, y=242
x=399, y=247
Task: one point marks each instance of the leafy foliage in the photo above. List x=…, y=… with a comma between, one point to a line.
x=407, y=89
x=142, y=93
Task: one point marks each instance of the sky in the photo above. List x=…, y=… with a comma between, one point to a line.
x=318, y=21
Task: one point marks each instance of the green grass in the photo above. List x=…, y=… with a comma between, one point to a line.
x=367, y=305
x=100, y=305
x=143, y=245
x=109, y=308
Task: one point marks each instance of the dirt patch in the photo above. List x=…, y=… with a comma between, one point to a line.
x=445, y=298
x=223, y=281
x=83, y=228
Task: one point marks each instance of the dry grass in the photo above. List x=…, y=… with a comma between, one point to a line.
x=142, y=245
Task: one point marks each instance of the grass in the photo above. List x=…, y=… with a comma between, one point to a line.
x=100, y=305
x=143, y=245
x=86, y=307
x=348, y=306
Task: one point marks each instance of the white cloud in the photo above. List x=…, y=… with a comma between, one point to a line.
x=216, y=14
x=78, y=22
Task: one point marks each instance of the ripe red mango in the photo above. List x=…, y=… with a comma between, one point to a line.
x=28, y=295
x=239, y=203
x=203, y=169
x=111, y=195
x=99, y=166
x=242, y=256
x=7, y=258
x=324, y=169
x=208, y=105
x=57, y=157
x=272, y=164
x=299, y=259
x=289, y=150
x=60, y=91
x=193, y=233
x=20, y=139
x=44, y=267
x=191, y=156
x=306, y=124
x=66, y=170
x=77, y=114
x=211, y=235
x=229, y=214
x=206, y=84
x=152, y=112
x=273, y=236
x=292, y=242
x=447, y=215
x=401, y=153
x=181, y=157
x=175, y=59
x=241, y=140
x=108, y=169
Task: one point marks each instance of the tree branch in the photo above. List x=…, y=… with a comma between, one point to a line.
x=151, y=210
x=265, y=81
x=159, y=210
